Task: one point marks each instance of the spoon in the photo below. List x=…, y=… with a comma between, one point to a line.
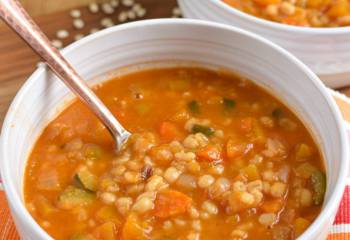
x=12, y=12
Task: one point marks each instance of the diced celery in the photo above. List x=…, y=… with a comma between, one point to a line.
x=318, y=180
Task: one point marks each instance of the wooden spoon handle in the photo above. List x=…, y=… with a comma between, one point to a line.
x=17, y=18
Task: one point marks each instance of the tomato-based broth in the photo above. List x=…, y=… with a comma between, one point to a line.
x=305, y=13
x=211, y=155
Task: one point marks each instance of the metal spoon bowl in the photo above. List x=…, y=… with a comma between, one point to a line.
x=12, y=12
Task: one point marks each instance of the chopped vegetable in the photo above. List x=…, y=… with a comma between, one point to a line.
x=277, y=113
x=300, y=225
x=73, y=197
x=168, y=131
x=235, y=148
x=318, y=180
x=272, y=206
x=208, y=131
x=142, y=108
x=247, y=124
x=194, y=107
x=106, y=231
x=170, y=203
x=86, y=180
x=92, y=151
x=209, y=154
x=303, y=151
x=228, y=104
x=132, y=229
x=305, y=170
x=44, y=206
x=252, y=172
x=108, y=214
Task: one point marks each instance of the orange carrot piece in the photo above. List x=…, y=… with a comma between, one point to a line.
x=209, y=154
x=168, y=131
x=171, y=203
x=247, y=124
x=132, y=229
x=235, y=149
x=272, y=206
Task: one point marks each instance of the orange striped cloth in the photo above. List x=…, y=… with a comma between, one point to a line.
x=339, y=231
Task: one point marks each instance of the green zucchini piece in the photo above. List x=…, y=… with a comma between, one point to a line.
x=73, y=197
x=194, y=106
x=86, y=180
x=208, y=131
x=318, y=181
x=229, y=104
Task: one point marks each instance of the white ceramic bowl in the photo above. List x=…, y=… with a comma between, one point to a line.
x=205, y=43
x=325, y=50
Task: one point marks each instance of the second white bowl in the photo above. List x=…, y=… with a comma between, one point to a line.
x=325, y=50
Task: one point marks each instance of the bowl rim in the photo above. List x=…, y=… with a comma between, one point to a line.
x=267, y=24
x=15, y=200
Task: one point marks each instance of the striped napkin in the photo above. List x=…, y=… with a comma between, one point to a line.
x=339, y=231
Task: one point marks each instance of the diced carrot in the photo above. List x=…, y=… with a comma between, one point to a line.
x=209, y=154
x=132, y=229
x=247, y=124
x=168, y=131
x=106, y=231
x=272, y=206
x=171, y=203
x=235, y=149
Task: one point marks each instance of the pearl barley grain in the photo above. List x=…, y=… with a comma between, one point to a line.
x=62, y=34
x=78, y=23
x=57, y=43
x=114, y=3
x=107, y=8
x=107, y=22
x=127, y=3
x=123, y=16
x=75, y=13
x=93, y=7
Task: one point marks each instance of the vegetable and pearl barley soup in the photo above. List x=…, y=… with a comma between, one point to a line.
x=304, y=13
x=212, y=155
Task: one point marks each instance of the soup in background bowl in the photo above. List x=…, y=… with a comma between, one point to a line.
x=170, y=44
x=312, y=13
x=323, y=49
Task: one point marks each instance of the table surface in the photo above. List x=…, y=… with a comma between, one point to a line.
x=18, y=61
